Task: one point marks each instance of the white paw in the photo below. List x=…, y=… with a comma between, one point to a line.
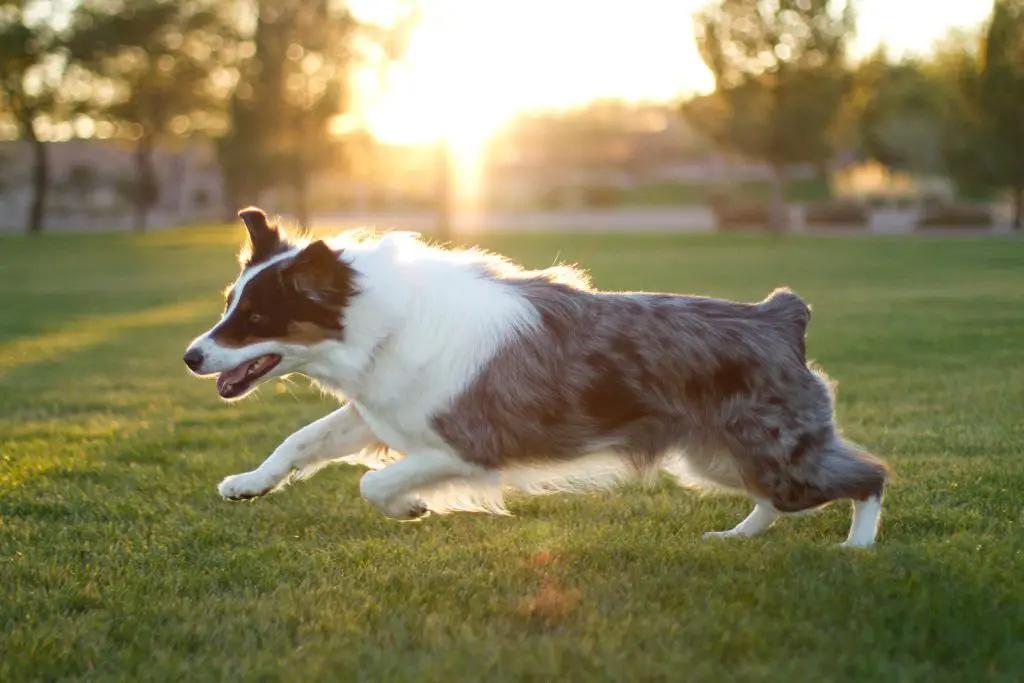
x=729, y=533
x=245, y=486
x=855, y=543
x=409, y=511
x=404, y=509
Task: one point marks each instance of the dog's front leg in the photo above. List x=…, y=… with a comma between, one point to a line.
x=394, y=489
x=341, y=433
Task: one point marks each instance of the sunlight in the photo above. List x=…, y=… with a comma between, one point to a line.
x=90, y=331
x=471, y=66
x=418, y=110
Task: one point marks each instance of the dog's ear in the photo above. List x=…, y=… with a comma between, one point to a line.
x=264, y=239
x=317, y=274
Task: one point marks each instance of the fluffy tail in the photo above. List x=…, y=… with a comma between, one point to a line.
x=821, y=468
x=855, y=473
x=791, y=315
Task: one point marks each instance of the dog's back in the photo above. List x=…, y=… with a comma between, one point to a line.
x=645, y=372
x=650, y=375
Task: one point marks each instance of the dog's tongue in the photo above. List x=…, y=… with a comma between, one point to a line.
x=233, y=376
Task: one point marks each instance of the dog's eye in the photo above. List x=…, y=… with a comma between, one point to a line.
x=256, y=318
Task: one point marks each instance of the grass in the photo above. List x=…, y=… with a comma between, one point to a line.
x=119, y=562
x=695, y=194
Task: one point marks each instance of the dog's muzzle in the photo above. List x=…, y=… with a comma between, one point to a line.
x=194, y=359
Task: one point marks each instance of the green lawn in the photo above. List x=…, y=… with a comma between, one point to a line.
x=118, y=561
x=694, y=194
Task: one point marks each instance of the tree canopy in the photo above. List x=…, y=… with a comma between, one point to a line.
x=781, y=77
x=30, y=72
x=162, y=58
x=985, y=120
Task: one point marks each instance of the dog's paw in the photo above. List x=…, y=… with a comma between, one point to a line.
x=406, y=510
x=245, y=486
x=415, y=511
x=728, y=533
x=409, y=510
x=405, y=507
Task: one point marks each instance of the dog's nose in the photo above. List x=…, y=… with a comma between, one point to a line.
x=194, y=359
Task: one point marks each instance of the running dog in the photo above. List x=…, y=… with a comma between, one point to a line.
x=463, y=375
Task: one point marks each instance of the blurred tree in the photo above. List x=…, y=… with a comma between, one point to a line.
x=164, y=60
x=29, y=71
x=897, y=111
x=780, y=80
x=985, y=124
x=291, y=87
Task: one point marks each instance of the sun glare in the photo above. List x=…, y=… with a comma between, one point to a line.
x=471, y=65
x=417, y=109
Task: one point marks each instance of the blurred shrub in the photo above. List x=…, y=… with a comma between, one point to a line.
x=839, y=212
x=137, y=191
x=81, y=180
x=956, y=216
x=601, y=196
x=730, y=215
x=553, y=198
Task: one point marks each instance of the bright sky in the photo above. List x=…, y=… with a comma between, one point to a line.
x=473, y=63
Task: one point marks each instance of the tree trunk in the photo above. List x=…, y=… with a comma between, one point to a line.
x=145, y=185
x=443, y=198
x=778, y=211
x=230, y=203
x=231, y=193
x=181, y=206
x=1018, y=207
x=40, y=181
x=300, y=185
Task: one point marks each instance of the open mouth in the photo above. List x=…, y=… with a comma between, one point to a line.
x=235, y=382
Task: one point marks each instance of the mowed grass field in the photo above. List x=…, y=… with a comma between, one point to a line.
x=118, y=561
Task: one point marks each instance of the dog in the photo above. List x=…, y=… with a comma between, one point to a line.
x=463, y=375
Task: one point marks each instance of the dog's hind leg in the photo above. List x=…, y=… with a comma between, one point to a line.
x=823, y=468
x=393, y=490
x=341, y=433
x=864, y=527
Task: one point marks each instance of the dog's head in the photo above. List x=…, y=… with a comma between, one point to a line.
x=289, y=299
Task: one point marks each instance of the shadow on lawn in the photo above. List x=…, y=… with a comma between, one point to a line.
x=79, y=336
x=937, y=601
x=615, y=573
